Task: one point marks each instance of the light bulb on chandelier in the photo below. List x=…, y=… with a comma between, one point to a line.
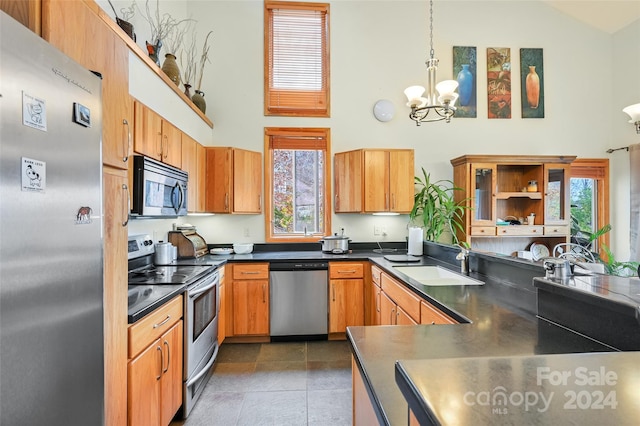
x=443, y=104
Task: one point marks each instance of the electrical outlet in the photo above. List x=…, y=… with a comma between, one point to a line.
x=383, y=230
x=377, y=230
x=246, y=232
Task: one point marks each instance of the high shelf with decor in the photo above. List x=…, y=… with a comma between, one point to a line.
x=503, y=192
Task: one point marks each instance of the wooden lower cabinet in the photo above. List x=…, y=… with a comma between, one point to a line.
x=429, y=314
x=155, y=366
x=346, y=295
x=222, y=313
x=363, y=412
x=250, y=294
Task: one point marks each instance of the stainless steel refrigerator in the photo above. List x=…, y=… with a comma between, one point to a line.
x=51, y=310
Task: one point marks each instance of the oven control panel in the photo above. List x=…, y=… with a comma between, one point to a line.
x=139, y=245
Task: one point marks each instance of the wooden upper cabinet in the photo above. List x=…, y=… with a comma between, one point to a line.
x=347, y=172
x=234, y=181
x=370, y=181
x=194, y=158
x=27, y=12
x=76, y=28
x=156, y=137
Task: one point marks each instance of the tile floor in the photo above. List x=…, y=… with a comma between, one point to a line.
x=296, y=383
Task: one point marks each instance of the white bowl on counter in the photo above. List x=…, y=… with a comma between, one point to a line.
x=242, y=248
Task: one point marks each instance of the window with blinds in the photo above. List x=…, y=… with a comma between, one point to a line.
x=296, y=59
x=297, y=203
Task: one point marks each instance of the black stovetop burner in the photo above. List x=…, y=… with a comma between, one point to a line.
x=142, y=272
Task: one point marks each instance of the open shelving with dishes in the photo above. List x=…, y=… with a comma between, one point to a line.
x=513, y=200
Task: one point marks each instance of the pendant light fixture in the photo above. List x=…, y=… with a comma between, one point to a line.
x=443, y=104
x=633, y=111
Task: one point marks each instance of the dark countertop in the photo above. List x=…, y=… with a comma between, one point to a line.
x=144, y=299
x=616, y=293
x=585, y=389
x=503, y=323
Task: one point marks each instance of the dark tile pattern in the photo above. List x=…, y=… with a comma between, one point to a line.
x=294, y=383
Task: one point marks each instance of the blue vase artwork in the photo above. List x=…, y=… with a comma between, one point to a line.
x=465, y=85
x=464, y=68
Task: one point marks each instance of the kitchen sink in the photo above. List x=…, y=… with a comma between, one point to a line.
x=435, y=276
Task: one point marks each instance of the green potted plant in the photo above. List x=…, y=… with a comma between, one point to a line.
x=436, y=208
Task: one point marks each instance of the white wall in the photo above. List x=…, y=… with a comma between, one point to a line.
x=378, y=48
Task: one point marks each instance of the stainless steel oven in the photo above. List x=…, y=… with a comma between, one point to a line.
x=159, y=190
x=202, y=304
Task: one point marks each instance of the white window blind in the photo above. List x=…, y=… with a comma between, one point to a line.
x=296, y=59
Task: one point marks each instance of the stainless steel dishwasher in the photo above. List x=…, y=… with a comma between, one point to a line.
x=298, y=300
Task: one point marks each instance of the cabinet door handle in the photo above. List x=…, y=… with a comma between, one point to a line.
x=168, y=356
x=126, y=206
x=337, y=202
x=226, y=201
x=377, y=301
x=333, y=290
x=163, y=322
x=250, y=272
x=264, y=300
x=159, y=348
x=350, y=271
x=393, y=201
x=127, y=141
x=260, y=202
x=391, y=317
x=160, y=137
x=165, y=153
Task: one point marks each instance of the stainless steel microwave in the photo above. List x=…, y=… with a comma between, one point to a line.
x=159, y=190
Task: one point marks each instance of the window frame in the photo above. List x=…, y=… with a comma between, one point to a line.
x=269, y=133
x=304, y=108
x=598, y=170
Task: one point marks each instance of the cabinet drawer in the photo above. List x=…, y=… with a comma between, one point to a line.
x=251, y=271
x=375, y=275
x=151, y=327
x=409, y=302
x=520, y=230
x=429, y=314
x=556, y=230
x=483, y=230
x=345, y=270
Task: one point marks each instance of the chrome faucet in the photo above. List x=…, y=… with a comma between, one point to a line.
x=463, y=257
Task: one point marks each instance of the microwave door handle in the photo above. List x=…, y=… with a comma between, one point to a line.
x=177, y=206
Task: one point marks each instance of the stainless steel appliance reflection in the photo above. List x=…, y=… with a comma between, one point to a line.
x=51, y=263
x=201, y=307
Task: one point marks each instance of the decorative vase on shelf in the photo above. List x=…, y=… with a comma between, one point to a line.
x=170, y=68
x=198, y=99
x=465, y=85
x=533, y=87
x=154, y=51
x=187, y=90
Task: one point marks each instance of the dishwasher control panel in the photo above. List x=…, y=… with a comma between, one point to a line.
x=298, y=266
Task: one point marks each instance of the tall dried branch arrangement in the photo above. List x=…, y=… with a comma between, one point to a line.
x=160, y=25
x=175, y=38
x=188, y=62
x=204, y=58
x=128, y=12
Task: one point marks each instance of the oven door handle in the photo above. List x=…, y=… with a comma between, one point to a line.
x=199, y=291
x=205, y=369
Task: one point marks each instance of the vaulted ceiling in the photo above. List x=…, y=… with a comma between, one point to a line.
x=606, y=15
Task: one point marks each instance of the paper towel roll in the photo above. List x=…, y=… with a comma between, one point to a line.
x=415, y=241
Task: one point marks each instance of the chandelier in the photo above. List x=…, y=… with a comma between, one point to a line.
x=441, y=106
x=633, y=111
